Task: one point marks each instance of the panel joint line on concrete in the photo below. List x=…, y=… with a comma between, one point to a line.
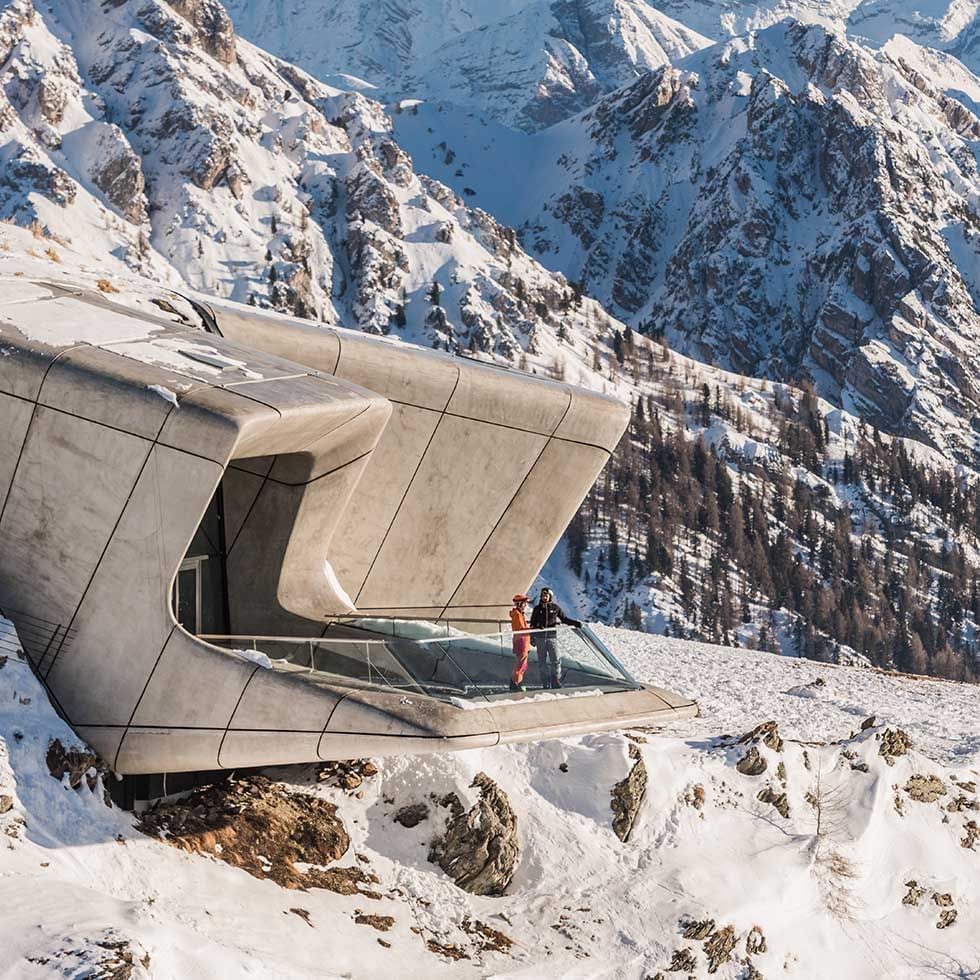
x=336, y=469
x=30, y=425
x=234, y=710
x=251, y=506
x=510, y=503
x=156, y=663
x=112, y=534
x=408, y=488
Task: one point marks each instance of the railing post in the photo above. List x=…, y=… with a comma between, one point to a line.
x=312, y=662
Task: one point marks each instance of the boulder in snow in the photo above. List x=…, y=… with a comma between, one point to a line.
x=479, y=849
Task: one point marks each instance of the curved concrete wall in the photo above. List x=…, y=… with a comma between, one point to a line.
x=419, y=477
x=473, y=481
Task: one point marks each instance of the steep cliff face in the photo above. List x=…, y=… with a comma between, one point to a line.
x=786, y=205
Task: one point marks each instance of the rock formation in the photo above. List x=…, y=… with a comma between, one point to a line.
x=479, y=849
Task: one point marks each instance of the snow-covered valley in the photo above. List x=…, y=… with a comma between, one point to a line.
x=86, y=893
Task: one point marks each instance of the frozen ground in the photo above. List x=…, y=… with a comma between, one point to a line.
x=76, y=877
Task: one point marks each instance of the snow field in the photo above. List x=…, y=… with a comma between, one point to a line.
x=583, y=904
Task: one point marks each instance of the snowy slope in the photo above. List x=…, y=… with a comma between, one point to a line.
x=526, y=63
x=734, y=686
x=82, y=889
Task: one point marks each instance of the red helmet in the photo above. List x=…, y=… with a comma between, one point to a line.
x=520, y=597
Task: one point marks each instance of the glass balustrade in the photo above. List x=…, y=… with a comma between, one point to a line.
x=437, y=659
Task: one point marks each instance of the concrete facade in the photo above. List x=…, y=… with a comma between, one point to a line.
x=348, y=468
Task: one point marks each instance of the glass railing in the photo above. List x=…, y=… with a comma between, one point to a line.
x=437, y=659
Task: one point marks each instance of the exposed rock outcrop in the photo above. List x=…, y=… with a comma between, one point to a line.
x=627, y=797
x=212, y=26
x=411, y=815
x=254, y=824
x=348, y=774
x=893, y=744
x=718, y=947
x=925, y=789
x=752, y=763
x=118, y=173
x=914, y=893
x=683, y=961
x=79, y=765
x=767, y=734
x=776, y=798
x=479, y=849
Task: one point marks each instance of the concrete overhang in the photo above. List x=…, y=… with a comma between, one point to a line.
x=350, y=468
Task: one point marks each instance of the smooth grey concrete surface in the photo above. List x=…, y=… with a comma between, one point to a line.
x=433, y=486
x=476, y=476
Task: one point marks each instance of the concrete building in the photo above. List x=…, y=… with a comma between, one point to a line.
x=230, y=538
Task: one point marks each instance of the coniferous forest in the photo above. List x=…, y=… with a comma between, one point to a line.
x=831, y=548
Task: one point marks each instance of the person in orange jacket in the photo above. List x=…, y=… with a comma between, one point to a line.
x=522, y=641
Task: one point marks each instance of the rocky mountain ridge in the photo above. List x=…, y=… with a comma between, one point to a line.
x=786, y=205
x=525, y=63
x=151, y=132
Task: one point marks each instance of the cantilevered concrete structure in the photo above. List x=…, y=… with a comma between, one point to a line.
x=194, y=499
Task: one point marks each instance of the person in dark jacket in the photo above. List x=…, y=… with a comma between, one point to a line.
x=546, y=616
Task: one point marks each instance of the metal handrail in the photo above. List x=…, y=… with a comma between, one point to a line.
x=258, y=638
x=395, y=667
x=411, y=619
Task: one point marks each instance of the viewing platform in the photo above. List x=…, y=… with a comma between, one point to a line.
x=439, y=660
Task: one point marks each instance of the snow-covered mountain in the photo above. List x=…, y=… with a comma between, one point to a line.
x=785, y=204
x=153, y=133
x=804, y=848
x=525, y=63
